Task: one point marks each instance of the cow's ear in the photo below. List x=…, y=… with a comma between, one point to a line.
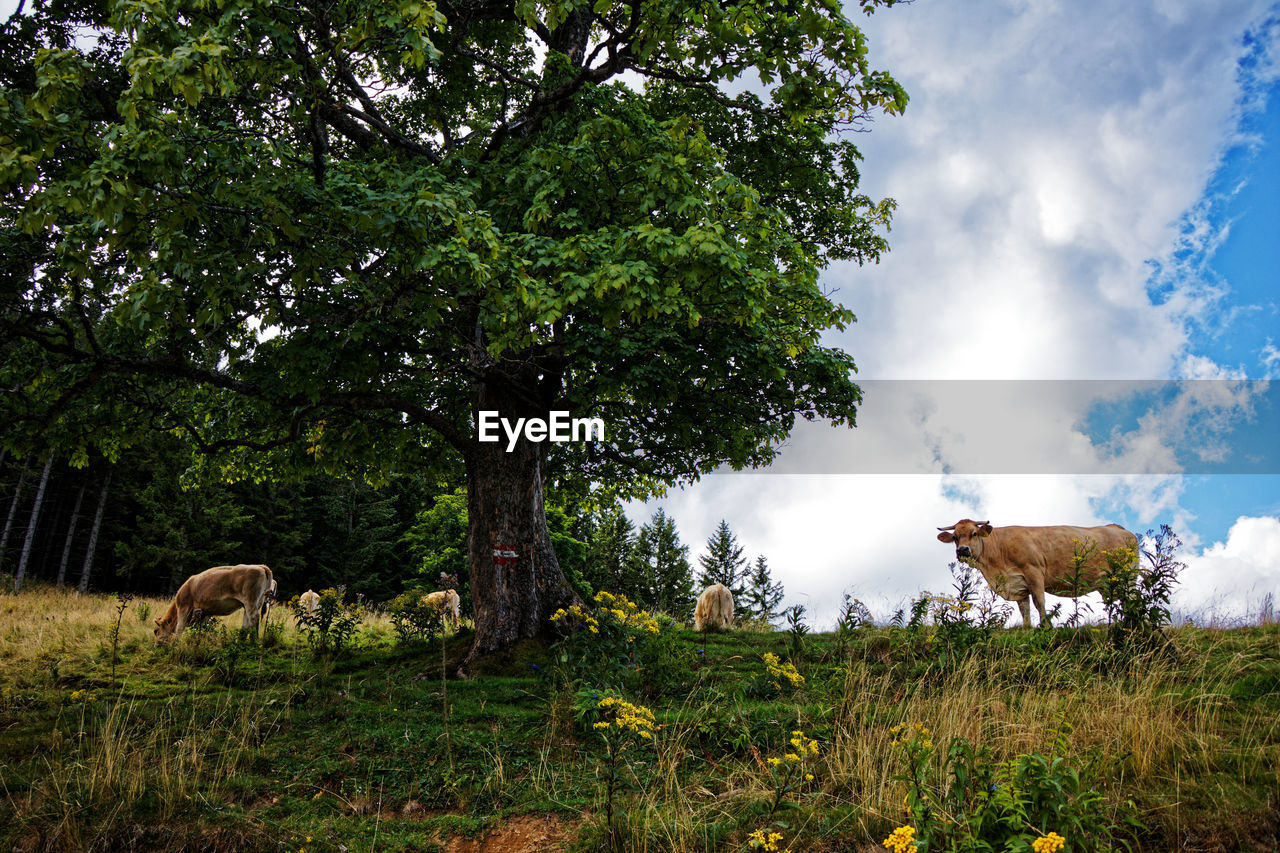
x=946, y=536
x=983, y=529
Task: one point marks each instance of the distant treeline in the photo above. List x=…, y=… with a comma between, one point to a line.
x=144, y=523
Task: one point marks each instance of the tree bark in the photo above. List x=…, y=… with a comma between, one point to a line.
x=71, y=532
x=13, y=510
x=93, y=535
x=31, y=527
x=516, y=580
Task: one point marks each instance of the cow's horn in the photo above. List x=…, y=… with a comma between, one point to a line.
x=952, y=527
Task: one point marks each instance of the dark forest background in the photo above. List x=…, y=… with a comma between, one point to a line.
x=154, y=517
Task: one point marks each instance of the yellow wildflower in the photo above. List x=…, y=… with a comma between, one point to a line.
x=760, y=841
x=626, y=717
x=1051, y=843
x=901, y=840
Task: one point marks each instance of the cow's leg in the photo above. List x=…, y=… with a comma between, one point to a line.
x=1024, y=604
x=1037, y=595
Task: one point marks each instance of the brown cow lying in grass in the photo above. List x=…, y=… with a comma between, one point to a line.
x=447, y=602
x=217, y=592
x=715, y=608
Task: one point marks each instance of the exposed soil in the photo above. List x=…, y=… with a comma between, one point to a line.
x=543, y=834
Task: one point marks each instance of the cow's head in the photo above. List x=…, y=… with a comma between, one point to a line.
x=163, y=632
x=968, y=536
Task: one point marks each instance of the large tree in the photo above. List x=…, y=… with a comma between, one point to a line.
x=326, y=234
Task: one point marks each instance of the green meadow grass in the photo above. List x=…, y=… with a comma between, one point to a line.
x=218, y=744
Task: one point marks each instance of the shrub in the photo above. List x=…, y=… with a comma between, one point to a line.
x=854, y=615
x=1137, y=598
x=603, y=645
x=779, y=678
x=413, y=619
x=797, y=630
x=331, y=627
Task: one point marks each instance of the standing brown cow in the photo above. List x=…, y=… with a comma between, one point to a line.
x=1022, y=563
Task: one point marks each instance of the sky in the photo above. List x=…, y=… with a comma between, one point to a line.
x=1077, y=318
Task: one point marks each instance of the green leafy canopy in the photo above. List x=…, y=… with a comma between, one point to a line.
x=305, y=235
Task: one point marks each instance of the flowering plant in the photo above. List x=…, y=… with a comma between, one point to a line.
x=1029, y=804
x=622, y=725
x=603, y=644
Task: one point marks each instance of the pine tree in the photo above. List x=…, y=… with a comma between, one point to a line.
x=665, y=562
x=763, y=594
x=724, y=563
x=612, y=563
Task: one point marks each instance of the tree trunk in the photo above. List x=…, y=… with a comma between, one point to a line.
x=13, y=510
x=31, y=527
x=71, y=532
x=93, y=535
x=516, y=581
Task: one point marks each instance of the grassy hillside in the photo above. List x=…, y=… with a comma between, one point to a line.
x=216, y=744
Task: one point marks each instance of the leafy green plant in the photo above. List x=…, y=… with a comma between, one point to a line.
x=791, y=772
x=853, y=616
x=623, y=727
x=797, y=630
x=970, y=802
x=228, y=657
x=413, y=618
x=603, y=645
x=968, y=619
x=778, y=679
x=1136, y=598
x=49, y=661
x=331, y=626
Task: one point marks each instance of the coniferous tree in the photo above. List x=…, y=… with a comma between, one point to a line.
x=33, y=525
x=94, y=531
x=612, y=562
x=724, y=563
x=665, y=561
x=763, y=594
x=70, y=538
x=13, y=510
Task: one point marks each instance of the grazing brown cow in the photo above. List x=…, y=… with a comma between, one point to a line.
x=1022, y=563
x=217, y=592
x=447, y=602
x=715, y=608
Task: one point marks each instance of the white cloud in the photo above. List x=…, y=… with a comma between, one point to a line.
x=1269, y=358
x=1228, y=581
x=1043, y=162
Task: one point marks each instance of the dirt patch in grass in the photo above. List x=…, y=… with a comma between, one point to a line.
x=543, y=833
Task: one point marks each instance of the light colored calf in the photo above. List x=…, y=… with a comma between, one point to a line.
x=447, y=602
